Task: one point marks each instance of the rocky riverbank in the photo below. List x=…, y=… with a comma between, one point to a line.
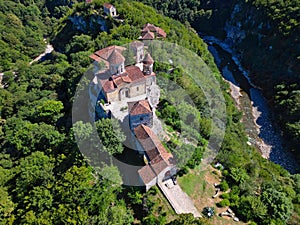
x=249, y=99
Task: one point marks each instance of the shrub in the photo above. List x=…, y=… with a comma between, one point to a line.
x=223, y=203
x=183, y=171
x=224, y=185
x=234, y=199
x=153, y=190
x=252, y=223
x=225, y=196
x=225, y=173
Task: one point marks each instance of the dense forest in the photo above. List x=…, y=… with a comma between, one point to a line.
x=44, y=177
x=270, y=49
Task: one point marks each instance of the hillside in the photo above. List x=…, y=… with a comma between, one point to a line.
x=44, y=177
x=265, y=33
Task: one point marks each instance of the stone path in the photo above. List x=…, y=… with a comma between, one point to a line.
x=178, y=199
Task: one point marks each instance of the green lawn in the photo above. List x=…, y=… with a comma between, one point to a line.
x=189, y=182
x=194, y=182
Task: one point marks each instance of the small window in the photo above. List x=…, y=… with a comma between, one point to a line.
x=137, y=88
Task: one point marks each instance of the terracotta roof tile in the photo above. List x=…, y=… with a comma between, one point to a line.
x=169, y=158
x=107, y=85
x=134, y=73
x=137, y=44
x=95, y=57
x=148, y=59
x=146, y=173
x=158, y=164
x=139, y=107
x=106, y=52
x=107, y=5
x=148, y=36
x=159, y=158
x=117, y=80
x=150, y=27
x=161, y=32
x=131, y=74
x=145, y=30
x=149, y=141
x=116, y=57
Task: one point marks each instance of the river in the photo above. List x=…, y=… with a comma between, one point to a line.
x=262, y=133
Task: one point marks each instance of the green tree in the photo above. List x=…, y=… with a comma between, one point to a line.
x=35, y=170
x=252, y=208
x=27, y=137
x=48, y=111
x=224, y=202
x=111, y=173
x=278, y=204
x=7, y=207
x=79, y=43
x=111, y=136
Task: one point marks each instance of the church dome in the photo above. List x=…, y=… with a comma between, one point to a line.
x=116, y=58
x=148, y=59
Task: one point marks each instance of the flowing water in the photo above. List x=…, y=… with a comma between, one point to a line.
x=256, y=114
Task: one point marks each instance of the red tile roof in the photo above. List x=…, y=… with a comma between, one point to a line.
x=95, y=57
x=107, y=5
x=149, y=141
x=107, y=85
x=148, y=59
x=150, y=27
x=137, y=44
x=148, y=36
x=132, y=74
x=159, y=158
x=116, y=58
x=103, y=54
x=145, y=30
x=139, y=107
x=158, y=164
x=161, y=32
x=147, y=174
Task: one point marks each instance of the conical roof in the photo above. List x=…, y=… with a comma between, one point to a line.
x=148, y=36
x=148, y=59
x=116, y=58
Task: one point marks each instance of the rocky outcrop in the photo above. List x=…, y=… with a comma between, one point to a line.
x=93, y=22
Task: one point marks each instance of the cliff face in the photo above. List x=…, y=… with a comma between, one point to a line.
x=269, y=55
x=265, y=32
x=267, y=39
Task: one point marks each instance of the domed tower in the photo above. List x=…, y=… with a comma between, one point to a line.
x=116, y=63
x=148, y=64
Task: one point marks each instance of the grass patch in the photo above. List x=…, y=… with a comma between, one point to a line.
x=190, y=182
